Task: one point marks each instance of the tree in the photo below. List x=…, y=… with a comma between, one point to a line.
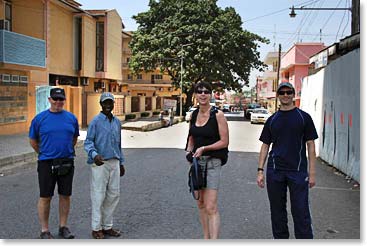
x=210, y=40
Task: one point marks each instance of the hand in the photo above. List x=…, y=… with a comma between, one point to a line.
x=98, y=160
x=260, y=179
x=199, y=152
x=122, y=170
x=189, y=157
x=311, y=181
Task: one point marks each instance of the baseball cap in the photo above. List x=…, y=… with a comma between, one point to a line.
x=105, y=96
x=285, y=84
x=57, y=93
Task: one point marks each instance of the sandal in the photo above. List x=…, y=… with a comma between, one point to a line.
x=112, y=232
x=98, y=234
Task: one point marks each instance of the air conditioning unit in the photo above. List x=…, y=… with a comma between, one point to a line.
x=15, y=78
x=5, y=78
x=23, y=79
x=4, y=25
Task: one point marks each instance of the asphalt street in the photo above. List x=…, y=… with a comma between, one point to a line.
x=155, y=202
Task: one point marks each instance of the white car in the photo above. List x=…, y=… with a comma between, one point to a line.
x=259, y=115
x=188, y=114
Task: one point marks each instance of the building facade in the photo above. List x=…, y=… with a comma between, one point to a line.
x=295, y=65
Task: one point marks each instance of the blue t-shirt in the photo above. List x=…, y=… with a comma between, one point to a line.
x=55, y=133
x=288, y=132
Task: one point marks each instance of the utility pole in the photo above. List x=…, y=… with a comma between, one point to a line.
x=181, y=82
x=277, y=82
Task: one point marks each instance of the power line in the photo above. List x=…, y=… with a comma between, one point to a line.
x=346, y=24
x=341, y=22
x=281, y=10
x=329, y=17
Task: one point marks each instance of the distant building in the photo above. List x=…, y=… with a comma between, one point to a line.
x=295, y=65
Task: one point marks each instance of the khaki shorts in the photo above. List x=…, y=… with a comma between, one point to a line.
x=214, y=166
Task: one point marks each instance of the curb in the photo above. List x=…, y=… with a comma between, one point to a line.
x=25, y=158
x=148, y=127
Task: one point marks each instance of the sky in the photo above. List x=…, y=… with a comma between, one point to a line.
x=267, y=18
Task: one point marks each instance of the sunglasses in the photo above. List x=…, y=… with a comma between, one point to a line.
x=285, y=92
x=58, y=99
x=203, y=91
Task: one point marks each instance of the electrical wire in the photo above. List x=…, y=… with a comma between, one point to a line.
x=281, y=10
x=341, y=22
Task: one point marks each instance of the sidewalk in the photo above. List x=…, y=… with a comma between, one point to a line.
x=15, y=150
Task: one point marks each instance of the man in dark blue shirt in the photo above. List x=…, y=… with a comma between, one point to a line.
x=289, y=130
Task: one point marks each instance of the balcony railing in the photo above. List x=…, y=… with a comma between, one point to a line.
x=269, y=74
x=20, y=49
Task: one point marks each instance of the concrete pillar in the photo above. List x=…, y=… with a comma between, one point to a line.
x=154, y=103
x=141, y=103
x=127, y=104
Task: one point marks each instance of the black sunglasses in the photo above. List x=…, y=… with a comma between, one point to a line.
x=203, y=91
x=58, y=99
x=285, y=92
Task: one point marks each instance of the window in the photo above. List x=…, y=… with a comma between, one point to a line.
x=158, y=76
x=99, y=46
x=8, y=14
x=139, y=76
x=129, y=77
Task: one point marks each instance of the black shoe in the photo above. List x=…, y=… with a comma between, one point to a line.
x=46, y=235
x=65, y=233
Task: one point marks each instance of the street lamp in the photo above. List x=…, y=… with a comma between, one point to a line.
x=293, y=14
x=182, y=56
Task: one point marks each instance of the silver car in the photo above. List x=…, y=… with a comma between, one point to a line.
x=259, y=115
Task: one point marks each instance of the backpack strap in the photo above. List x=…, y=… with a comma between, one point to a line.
x=194, y=115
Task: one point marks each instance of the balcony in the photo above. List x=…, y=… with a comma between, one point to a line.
x=22, y=50
x=269, y=74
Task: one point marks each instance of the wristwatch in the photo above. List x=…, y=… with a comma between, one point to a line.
x=260, y=169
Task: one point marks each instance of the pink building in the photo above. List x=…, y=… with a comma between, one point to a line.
x=295, y=64
x=266, y=86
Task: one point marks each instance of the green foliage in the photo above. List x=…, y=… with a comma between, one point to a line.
x=144, y=114
x=130, y=116
x=156, y=112
x=219, y=51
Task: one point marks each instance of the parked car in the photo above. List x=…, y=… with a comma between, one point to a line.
x=259, y=115
x=249, y=108
x=226, y=108
x=188, y=114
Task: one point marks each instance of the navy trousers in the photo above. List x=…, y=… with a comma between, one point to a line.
x=277, y=183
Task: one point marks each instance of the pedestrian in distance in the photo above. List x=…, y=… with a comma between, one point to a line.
x=171, y=113
x=208, y=142
x=103, y=146
x=53, y=134
x=289, y=131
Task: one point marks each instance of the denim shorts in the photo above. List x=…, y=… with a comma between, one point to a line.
x=214, y=166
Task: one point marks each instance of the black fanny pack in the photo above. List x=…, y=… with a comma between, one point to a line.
x=62, y=166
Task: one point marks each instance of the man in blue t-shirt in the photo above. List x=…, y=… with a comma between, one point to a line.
x=289, y=130
x=53, y=134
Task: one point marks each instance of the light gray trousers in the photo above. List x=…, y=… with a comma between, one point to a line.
x=105, y=193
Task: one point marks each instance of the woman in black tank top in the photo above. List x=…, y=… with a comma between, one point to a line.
x=208, y=141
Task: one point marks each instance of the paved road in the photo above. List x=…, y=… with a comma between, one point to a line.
x=155, y=202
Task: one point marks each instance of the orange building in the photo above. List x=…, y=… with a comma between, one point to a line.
x=153, y=86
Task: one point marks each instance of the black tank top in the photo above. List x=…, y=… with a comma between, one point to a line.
x=207, y=135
